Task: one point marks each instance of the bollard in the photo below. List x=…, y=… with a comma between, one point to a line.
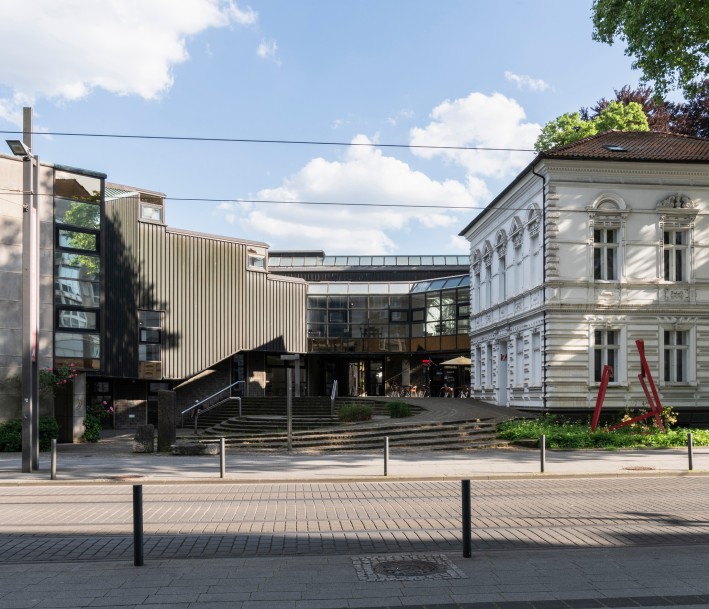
x=138, y=525
x=543, y=453
x=386, y=455
x=690, y=451
x=53, y=460
x=467, y=520
x=222, y=457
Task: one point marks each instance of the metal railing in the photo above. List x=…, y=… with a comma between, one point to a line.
x=333, y=395
x=197, y=405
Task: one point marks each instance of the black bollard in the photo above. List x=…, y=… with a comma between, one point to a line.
x=386, y=455
x=138, y=525
x=542, y=454
x=690, y=451
x=222, y=457
x=467, y=520
x=53, y=461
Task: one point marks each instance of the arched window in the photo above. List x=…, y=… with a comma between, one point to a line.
x=607, y=224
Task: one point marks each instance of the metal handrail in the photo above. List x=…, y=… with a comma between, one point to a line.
x=198, y=403
x=333, y=395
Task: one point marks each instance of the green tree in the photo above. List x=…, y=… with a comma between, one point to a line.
x=571, y=127
x=668, y=39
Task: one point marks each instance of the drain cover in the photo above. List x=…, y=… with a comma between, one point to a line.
x=405, y=567
x=640, y=468
x=408, y=568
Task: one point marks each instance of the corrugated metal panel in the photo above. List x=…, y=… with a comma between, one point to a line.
x=213, y=307
x=121, y=285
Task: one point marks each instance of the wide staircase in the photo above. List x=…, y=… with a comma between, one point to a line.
x=262, y=427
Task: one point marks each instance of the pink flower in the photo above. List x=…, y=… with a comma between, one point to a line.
x=110, y=409
x=105, y=403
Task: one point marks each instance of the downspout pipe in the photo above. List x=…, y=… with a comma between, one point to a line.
x=544, y=291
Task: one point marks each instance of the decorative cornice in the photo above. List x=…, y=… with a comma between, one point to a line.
x=677, y=201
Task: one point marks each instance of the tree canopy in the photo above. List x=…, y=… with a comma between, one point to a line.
x=571, y=127
x=668, y=39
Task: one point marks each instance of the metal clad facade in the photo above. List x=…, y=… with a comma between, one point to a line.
x=122, y=287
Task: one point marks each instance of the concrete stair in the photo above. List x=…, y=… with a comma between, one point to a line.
x=449, y=435
x=310, y=411
x=262, y=427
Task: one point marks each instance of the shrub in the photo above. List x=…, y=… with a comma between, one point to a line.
x=399, y=410
x=355, y=412
x=48, y=431
x=92, y=423
x=11, y=434
x=564, y=434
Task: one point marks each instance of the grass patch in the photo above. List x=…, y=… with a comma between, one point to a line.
x=399, y=410
x=565, y=434
x=354, y=412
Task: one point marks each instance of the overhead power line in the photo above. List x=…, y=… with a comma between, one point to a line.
x=263, y=141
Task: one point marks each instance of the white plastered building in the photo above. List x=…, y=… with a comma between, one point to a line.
x=593, y=246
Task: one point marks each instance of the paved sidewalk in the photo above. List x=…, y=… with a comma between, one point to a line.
x=645, y=568
x=112, y=459
x=549, y=579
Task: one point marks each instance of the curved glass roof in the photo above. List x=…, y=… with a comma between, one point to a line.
x=446, y=283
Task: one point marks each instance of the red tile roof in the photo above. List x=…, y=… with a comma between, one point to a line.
x=634, y=146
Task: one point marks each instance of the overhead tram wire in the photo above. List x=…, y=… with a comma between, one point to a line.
x=264, y=141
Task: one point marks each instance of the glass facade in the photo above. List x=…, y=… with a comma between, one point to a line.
x=389, y=317
x=77, y=270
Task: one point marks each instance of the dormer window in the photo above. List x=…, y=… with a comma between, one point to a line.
x=256, y=259
x=151, y=212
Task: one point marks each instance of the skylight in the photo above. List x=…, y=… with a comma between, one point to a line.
x=615, y=148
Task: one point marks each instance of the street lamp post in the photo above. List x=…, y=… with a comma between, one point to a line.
x=30, y=295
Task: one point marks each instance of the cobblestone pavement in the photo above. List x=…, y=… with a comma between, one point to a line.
x=94, y=522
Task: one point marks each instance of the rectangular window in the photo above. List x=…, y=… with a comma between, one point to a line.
x=488, y=366
x=76, y=318
x=606, y=349
x=151, y=213
x=502, y=279
x=398, y=316
x=478, y=366
x=676, y=348
x=605, y=254
x=476, y=291
x=536, y=363
x=77, y=213
x=150, y=338
x=79, y=346
x=77, y=240
x=519, y=361
x=488, y=287
x=675, y=255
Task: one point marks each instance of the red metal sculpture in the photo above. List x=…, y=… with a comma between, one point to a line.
x=653, y=399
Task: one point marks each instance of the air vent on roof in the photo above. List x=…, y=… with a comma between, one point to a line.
x=615, y=148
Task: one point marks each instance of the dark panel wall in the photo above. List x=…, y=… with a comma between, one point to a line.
x=120, y=246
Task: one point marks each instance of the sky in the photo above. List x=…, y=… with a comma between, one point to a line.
x=379, y=89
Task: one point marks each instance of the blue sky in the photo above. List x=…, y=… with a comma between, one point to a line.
x=444, y=73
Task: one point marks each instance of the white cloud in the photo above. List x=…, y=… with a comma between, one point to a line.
x=402, y=114
x=268, y=49
x=364, y=175
x=483, y=121
x=526, y=82
x=127, y=47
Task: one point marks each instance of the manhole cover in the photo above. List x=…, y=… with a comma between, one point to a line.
x=405, y=567
x=408, y=568
x=640, y=468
